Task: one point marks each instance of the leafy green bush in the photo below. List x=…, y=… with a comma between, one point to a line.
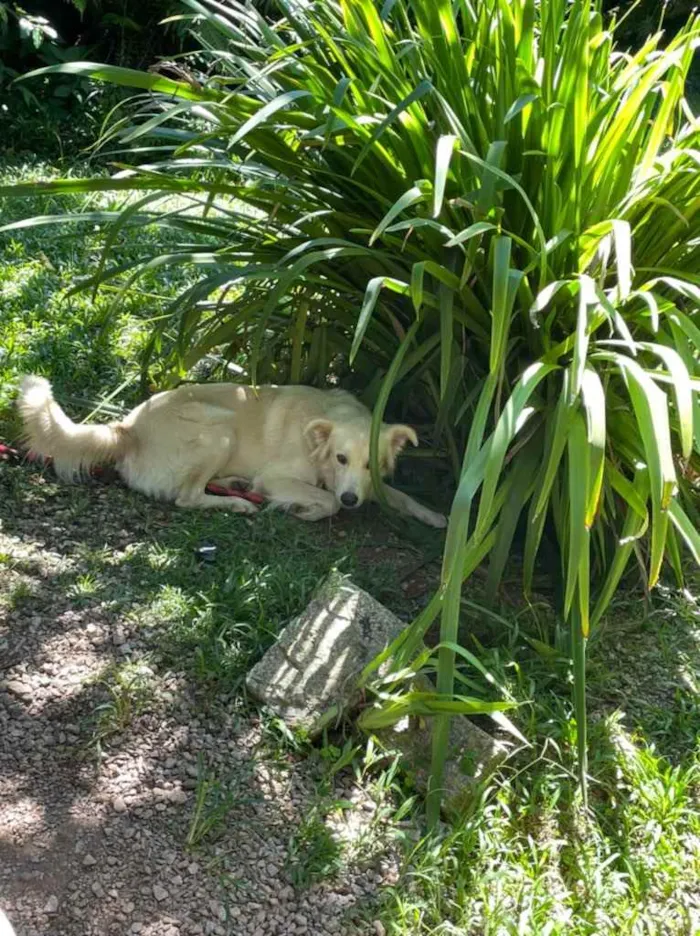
x=641, y=18
x=69, y=112
x=484, y=210
x=43, y=117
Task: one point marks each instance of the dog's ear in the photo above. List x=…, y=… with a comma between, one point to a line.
x=398, y=437
x=318, y=432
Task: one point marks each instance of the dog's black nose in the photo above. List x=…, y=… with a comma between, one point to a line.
x=348, y=499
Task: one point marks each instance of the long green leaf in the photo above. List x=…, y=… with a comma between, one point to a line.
x=511, y=420
x=500, y=309
x=593, y=398
x=443, y=156
x=129, y=78
x=651, y=409
x=413, y=195
x=686, y=529
x=630, y=531
x=268, y=110
x=579, y=487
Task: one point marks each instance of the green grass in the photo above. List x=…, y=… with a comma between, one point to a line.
x=314, y=854
x=129, y=692
x=526, y=858
x=139, y=561
x=214, y=801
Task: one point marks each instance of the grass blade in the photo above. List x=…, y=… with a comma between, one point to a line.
x=443, y=156
x=500, y=309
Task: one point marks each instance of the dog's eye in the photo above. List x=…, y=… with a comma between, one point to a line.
x=342, y=459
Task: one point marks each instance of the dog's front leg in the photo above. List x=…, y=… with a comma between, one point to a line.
x=411, y=508
x=305, y=501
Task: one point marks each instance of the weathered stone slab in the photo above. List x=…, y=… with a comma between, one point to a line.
x=313, y=668
x=473, y=754
x=310, y=677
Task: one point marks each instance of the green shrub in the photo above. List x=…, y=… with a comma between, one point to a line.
x=65, y=115
x=482, y=209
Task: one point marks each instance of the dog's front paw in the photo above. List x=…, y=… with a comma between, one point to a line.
x=429, y=517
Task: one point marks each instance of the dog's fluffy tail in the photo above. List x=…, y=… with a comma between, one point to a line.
x=49, y=432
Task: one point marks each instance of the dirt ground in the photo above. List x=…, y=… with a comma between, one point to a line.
x=142, y=792
x=130, y=800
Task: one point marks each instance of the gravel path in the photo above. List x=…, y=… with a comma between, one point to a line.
x=93, y=836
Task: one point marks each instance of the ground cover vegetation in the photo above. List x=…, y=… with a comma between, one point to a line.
x=524, y=858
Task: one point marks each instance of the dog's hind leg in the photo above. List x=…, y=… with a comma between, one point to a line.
x=192, y=494
x=199, y=498
x=305, y=501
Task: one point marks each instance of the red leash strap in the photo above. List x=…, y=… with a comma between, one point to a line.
x=9, y=454
x=221, y=491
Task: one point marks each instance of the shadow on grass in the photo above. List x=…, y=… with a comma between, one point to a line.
x=140, y=561
x=111, y=585
x=114, y=565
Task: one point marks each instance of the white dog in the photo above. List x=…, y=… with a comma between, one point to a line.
x=304, y=449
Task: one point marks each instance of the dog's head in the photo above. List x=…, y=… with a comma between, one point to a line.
x=341, y=451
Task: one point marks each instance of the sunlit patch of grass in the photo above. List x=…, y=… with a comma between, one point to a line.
x=85, y=586
x=66, y=336
x=129, y=689
x=527, y=860
x=314, y=852
x=215, y=798
x=172, y=605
